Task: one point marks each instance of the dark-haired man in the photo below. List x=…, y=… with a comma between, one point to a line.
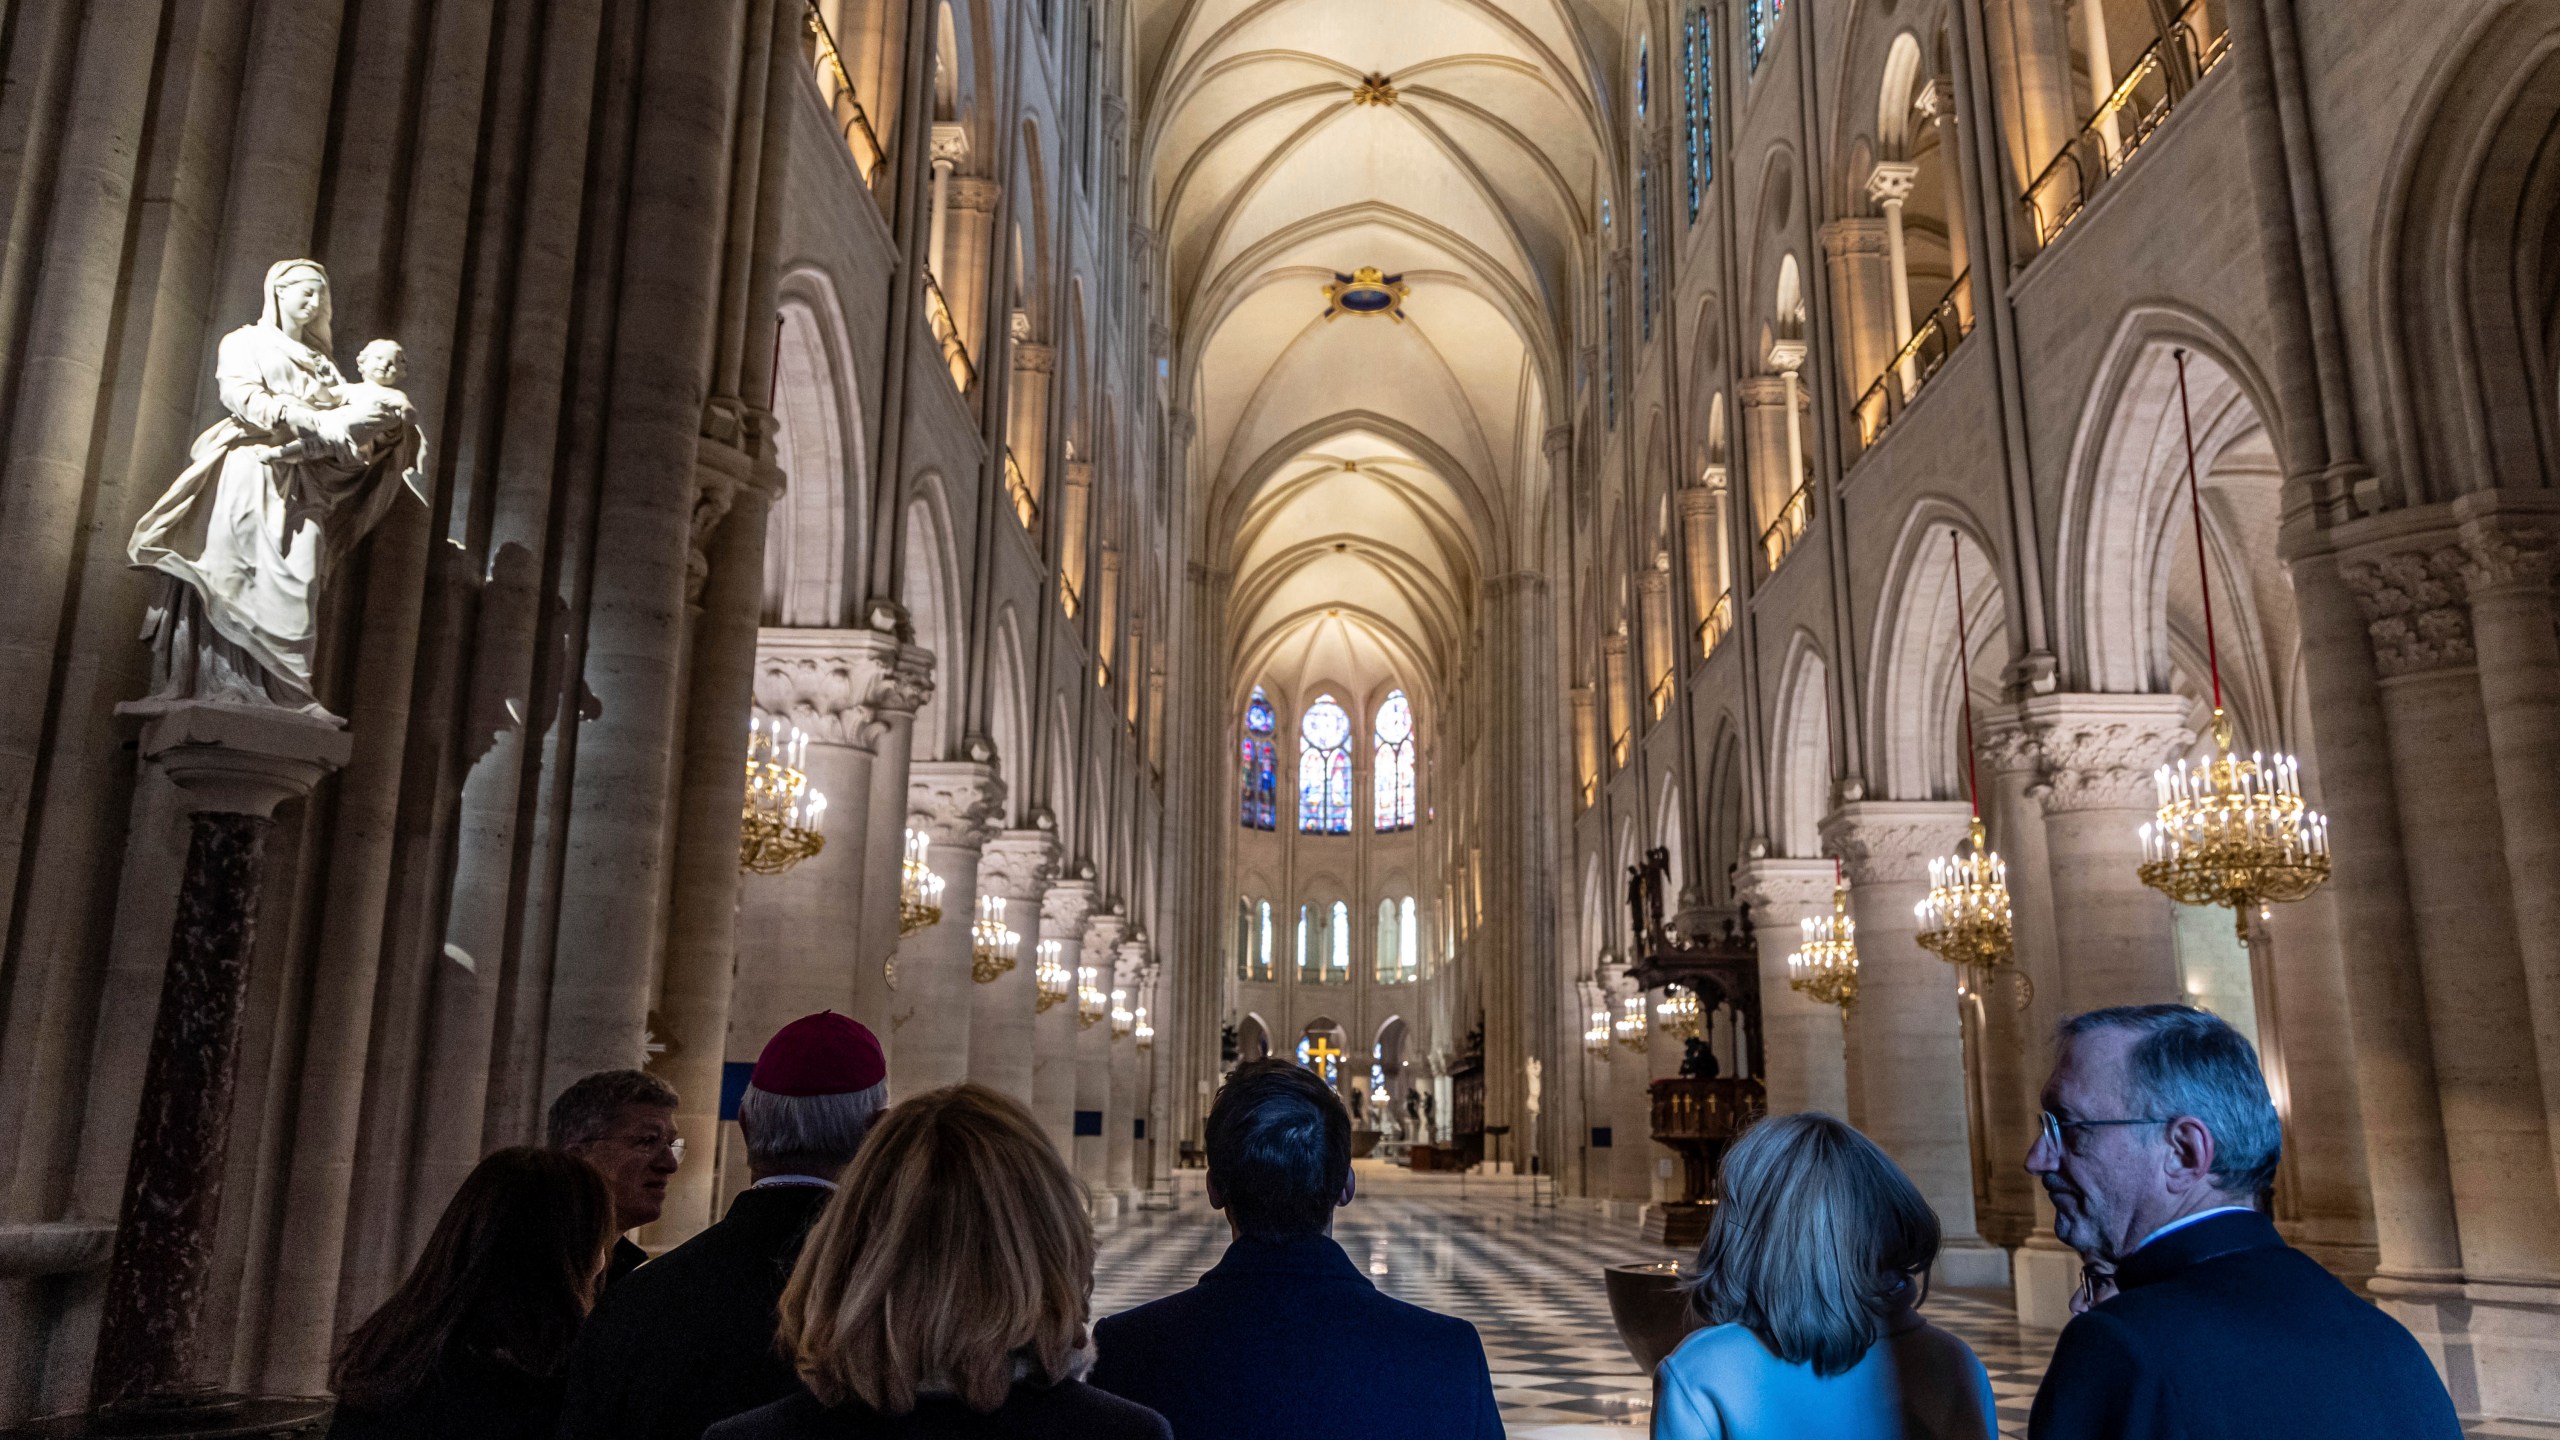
x=1286, y=1338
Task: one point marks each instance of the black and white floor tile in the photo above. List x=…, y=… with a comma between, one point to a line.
x=1528, y=1276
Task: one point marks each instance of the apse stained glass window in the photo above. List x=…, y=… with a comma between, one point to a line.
x=1261, y=765
x=1645, y=292
x=1698, y=95
x=1324, y=769
x=1764, y=16
x=1393, y=777
x=1644, y=76
x=1337, y=963
x=1262, y=951
x=1408, y=940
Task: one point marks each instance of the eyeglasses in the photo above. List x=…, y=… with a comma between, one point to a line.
x=2054, y=1125
x=651, y=1144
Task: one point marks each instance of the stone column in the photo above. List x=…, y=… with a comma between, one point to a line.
x=2497, y=1136
x=1909, y=1031
x=1619, y=716
x=1762, y=399
x=2043, y=1270
x=2031, y=68
x=1119, y=1116
x=955, y=803
x=1661, y=645
x=1803, y=1041
x=1093, y=1068
x=1937, y=102
x=950, y=147
x=1019, y=866
x=1698, y=535
x=1053, y=1031
x=1028, y=432
x=691, y=1019
x=1889, y=185
x=233, y=765
x=2096, y=756
x=2508, y=580
x=1859, y=252
x=898, y=692
x=802, y=934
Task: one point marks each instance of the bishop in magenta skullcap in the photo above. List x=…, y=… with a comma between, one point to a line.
x=821, y=1054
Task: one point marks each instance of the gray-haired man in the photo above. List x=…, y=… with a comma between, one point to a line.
x=2159, y=1139
x=622, y=1122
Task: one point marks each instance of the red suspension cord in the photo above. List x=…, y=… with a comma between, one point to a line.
x=1964, y=670
x=2195, y=510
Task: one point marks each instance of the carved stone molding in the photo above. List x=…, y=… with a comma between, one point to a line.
x=2099, y=752
x=2502, y=553
x=1033, y=359
x=720, y=470
x=841, y=687
x=1018, y=865
x=2415, y=608
x=1064, y=908
x=1757, y=392
x=973, y=194
x=1782, y=892
x=955, y=802
x=1101, y=934
x=1852, y=237
x=1885, y=842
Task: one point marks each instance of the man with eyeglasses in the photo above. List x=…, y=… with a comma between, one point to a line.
x=622, y=1122
x=688, y=1342
x=2159, y=1144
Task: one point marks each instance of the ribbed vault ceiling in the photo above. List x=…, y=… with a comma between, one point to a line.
x=1365, y=474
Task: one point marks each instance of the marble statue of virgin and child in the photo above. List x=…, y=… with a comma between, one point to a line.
x=274, y=497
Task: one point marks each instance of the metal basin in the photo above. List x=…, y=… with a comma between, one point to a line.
x=1650, y=1308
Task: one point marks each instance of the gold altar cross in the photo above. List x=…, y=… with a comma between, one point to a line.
x=1321, y=1054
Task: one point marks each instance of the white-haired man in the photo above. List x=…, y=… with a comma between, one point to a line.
x=687, y=1341
x=2159, y=1139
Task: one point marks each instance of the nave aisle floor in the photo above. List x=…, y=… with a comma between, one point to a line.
x=1528, y=1277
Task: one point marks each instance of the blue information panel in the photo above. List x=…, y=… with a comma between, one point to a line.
x=1599, y=1137
x=1088, y=1122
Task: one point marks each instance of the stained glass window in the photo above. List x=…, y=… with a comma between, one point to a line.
x=1764, y=20
x=1261, y=765
x=1644, y=76
x=1338, y=963
x=1388, y=956
x=1393, y=777
x=1324, y=769
x=1698, y=95
x=1409, y=940
x=1264, y=951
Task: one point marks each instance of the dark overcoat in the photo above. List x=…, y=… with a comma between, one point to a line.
x=2221, y=1331
x=687, y=1339
x=1286, y=1339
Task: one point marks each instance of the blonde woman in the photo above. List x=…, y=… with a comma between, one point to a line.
x=945, y=1290
x=1810, y=1280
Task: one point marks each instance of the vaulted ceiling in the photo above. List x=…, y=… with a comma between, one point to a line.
x=1364, y=473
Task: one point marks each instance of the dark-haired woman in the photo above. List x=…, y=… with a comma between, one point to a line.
x=1810, y=1282
x=471, y=1344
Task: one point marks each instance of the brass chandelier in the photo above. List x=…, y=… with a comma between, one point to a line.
x=1091, y=1003
x=1965, y=919
x=1121, y=1019
x=1826, y=965
x=1595, y=1041
x=1143, y=1030
x=2230, y=831
x=919, y=889
x=779, y=824
x=1050, y=975
x=1632, y=1024
x=991, y=946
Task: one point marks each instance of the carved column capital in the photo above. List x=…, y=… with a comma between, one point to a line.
x=1890, y=182
x=954, y=802
x=840, y=687
x=2504, y=552
x=974, y=194
x=1032, y=358
x=950, y=143
x=1019, y=864
x=1102, y=933
x=1064, y=908
x=2099, y=752
x=1758, y=392
x=1884, y=842
x=1781, y=892
x=2414, y=606
x=1129, y=963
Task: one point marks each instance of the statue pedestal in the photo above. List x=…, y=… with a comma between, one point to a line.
x=233, y=764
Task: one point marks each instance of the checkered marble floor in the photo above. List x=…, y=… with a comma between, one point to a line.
x=1528, y=1276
